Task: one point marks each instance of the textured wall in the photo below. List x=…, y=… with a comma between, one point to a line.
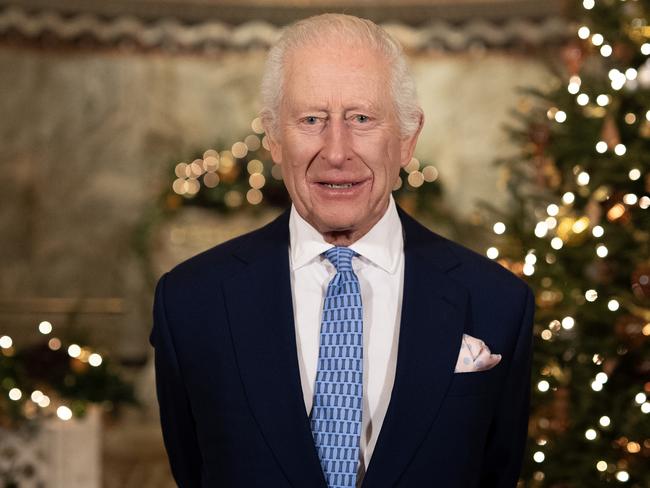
x=86, y=138
x=466, y=100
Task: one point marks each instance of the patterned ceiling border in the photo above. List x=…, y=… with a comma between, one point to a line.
x=176, y=35
x=282, y=12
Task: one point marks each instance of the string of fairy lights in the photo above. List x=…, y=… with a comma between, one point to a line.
x=559, y=224
x=37, y=402
x=217, y=166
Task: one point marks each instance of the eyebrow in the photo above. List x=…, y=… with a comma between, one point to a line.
x=370, y=107
x=311, y=108
x=319, y=108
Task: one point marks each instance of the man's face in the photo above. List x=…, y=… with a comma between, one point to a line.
x=338, y=141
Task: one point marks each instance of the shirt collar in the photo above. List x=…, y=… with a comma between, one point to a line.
x=382, y=244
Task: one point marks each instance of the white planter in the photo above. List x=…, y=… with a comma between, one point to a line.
x=59, y=454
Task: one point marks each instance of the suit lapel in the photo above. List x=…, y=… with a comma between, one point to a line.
x=431, y=328
x=260, y=313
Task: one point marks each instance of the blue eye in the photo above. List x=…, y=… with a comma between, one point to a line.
x=362, y=118
x=311, y=120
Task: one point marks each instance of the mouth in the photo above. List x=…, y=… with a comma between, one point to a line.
x=337, y=185
x=338, y=189
x=340, y=184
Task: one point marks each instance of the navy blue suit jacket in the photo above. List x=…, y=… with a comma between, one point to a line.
x=228, y=383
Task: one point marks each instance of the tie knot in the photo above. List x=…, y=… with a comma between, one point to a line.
x=340, y=257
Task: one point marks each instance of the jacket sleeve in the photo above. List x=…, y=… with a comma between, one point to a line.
x=507, y=438
x=178, y=428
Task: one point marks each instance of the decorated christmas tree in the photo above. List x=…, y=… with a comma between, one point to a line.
x=578, y=230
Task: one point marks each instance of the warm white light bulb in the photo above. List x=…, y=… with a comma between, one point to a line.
x=541, y=229
x=630, y=199
x=492, y=253
x=622, y=476
x=64, y=413
x=614, y=73
x=644, y=202
x=74, y=351
x=568, y=323
x=94, y=359
x=619, y=83
x=5, y=342
x=551, y=222
x=568, y=198
x=45, y=327
x=602, y=377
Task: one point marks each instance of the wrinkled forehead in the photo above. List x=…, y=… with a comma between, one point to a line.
x=336, y=72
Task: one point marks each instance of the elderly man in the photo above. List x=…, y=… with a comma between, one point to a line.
x=343, y=344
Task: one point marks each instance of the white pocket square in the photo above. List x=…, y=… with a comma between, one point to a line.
x=474, y=355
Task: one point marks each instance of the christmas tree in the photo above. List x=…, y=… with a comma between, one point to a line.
x=578, y=231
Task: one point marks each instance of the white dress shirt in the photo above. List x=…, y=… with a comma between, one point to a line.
x=380, y=269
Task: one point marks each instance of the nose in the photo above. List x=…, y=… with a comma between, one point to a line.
x=336, y=143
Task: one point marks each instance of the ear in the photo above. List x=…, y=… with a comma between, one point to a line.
x=272, y=137
x=407, y=143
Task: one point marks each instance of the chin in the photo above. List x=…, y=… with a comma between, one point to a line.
x=337, y=222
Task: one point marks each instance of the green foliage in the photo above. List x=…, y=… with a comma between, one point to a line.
x=604, y=190
x=65, y=380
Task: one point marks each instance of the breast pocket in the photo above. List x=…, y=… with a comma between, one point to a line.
x=476, y=383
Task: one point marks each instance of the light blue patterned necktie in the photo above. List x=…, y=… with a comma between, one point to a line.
x=336, y=413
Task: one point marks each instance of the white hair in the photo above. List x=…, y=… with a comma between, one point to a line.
x=351, y=30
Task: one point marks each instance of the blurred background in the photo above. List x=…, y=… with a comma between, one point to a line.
x=129, y=141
